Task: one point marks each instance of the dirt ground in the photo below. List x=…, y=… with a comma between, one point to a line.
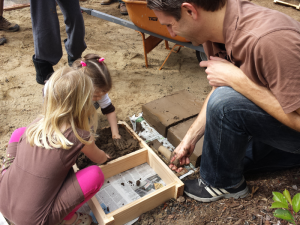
x=133, y=86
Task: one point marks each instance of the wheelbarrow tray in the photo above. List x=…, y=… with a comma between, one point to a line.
x=144, y=18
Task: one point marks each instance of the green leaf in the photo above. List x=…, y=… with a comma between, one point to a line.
x=284, y=214
x=279, y=205
x=278, y=197
x=296, y=203
x=287, y=195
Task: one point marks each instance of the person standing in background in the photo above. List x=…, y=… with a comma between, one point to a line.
x=5, y=24
x=46, y=35
x=122, y=6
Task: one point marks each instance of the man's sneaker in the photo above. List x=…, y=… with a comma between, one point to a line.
x=7, y=26
x=202, y=192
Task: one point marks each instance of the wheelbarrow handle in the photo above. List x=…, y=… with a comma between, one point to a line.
x=86, y=10
x=131, y=25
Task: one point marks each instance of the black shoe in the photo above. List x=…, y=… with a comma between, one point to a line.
x=43, y=69
x=202, y=192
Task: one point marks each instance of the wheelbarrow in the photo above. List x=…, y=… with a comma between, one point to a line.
x=144, y=21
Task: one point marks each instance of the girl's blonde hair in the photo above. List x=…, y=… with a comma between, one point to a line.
x=96, y=70
x=67, y=103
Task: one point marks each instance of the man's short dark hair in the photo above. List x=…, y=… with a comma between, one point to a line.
x=173, y=7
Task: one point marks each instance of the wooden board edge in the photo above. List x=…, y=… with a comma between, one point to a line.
x=166, y=170
x=125, y=162
x=140, y=206
x=17, y=6
x=98, y=212
x=179, y=190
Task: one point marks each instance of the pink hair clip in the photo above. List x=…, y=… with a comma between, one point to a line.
x=82, y=63
x=101, y=59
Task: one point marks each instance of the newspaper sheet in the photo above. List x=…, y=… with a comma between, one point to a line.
x=126, y=187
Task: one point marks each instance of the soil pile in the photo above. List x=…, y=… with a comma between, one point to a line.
x=105, y=143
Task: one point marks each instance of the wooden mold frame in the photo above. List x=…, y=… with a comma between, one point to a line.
x=173, y=188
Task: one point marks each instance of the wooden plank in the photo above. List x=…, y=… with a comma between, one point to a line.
x=125, y=163
x=98, y=212
x=161, y=168
x=166, y=174
x=179, y=190
x=140, y=206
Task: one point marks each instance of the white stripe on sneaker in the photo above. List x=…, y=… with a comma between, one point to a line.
x=224, y=191
x=210, y=191
x=217, y=191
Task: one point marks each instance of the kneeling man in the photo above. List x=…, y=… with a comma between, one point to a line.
x=251, y=118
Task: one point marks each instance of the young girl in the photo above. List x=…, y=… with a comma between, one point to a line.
x=37, y=183
x=93, y=66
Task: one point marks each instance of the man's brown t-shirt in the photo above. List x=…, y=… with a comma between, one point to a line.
x=265, y=45
x=40, y=185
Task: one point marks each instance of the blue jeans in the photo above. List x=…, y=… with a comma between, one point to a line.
x=241, y=137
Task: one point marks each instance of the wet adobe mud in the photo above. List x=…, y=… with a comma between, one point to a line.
x=105, y=143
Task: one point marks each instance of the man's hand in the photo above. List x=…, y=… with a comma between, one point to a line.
x=220, y=72
x=183, y=152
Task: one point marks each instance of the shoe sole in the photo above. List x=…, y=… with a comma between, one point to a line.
x=242, y=194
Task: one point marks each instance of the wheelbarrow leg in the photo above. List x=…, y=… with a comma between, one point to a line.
x=172, y=50
x=167, y=45
x=149, y=44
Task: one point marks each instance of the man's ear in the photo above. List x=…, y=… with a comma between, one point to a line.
x=189, y=10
